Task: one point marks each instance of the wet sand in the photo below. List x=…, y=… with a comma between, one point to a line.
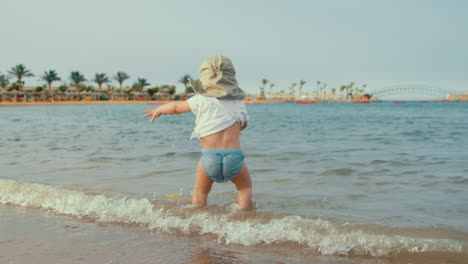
x=29, y=235
x=35, y=236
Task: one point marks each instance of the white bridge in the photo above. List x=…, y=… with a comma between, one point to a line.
x=411, y=90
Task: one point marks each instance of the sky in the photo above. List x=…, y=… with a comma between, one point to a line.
x=374, y=42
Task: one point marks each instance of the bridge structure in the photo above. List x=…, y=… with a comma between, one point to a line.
x=411, y=91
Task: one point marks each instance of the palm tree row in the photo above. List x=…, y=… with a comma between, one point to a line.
x=351, y=92
x=78, y=81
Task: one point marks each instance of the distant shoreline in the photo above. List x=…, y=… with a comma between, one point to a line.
x=19, y=104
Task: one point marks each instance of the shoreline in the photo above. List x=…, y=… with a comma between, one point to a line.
x=33, y=235
x=16, y=104
x=157, y=102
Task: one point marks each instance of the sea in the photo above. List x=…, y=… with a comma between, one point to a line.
x=332, y=183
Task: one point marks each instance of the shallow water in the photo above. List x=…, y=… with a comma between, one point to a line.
x=337, y=179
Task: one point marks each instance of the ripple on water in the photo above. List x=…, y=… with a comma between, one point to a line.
x=261, y=171
x=453, y=190
x=168, y=154
x=462, y=181
x=411, y=172
x=360, y=184
x=282, y=181
x=338, y=172
x=374, y=172
x=109, y=159
x=377, y=162
x=54, y=148
x=396, y=163
x=357, y=196
x=383, y=183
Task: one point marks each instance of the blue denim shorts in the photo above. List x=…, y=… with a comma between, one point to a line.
x=222, y=165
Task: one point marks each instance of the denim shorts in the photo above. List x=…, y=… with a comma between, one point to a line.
x=222, y=165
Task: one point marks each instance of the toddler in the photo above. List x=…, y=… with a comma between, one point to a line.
x=220, y=116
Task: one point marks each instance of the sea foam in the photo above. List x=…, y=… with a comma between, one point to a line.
x=320, y=235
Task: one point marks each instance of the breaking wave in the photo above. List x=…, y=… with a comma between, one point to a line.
x=324, y=236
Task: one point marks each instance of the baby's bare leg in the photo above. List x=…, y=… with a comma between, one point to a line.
x=244, y=187
x=202, y=187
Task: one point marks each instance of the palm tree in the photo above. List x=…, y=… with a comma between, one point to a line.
x=49, y=77
x=20, y=71
x=292, y=91
x=301, y=83
x=185, y=81
x=342, y=88
x=364, y=88
x=349, y=87
x=120, y=77
x=262, y=88
x=63, y=88
x=100, y=79
x=271, y=88
x=318, y=84
x=140, y=84
x=77, y=79
x=4, y=81
x=324, y=86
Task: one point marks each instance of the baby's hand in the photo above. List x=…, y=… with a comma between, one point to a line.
x=153, y=113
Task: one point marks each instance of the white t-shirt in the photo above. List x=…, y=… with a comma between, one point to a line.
x=214, y=115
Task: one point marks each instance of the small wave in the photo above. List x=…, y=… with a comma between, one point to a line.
x=103, y=159
x=249, y=228
x=414, y=133
x=374, y=172
x=338, y=172
x=357, y=196
x=390, y=163
x=261, y=171
x=376, y=162
x=458, y=180
x=282, y=181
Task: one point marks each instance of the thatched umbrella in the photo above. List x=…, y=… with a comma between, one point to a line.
x=12, y=95
x=83, y=94
x=109, y=93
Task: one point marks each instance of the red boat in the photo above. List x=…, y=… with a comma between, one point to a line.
x=306, y=102
x=398, y=102
x=361, y=102
x=253, y=103
x=423, y=102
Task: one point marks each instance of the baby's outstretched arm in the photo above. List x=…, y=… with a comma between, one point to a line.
x=167, y=109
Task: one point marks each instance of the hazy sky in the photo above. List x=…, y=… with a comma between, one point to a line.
x=375, y=42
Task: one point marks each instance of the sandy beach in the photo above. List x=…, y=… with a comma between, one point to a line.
x=8, y=104
x=31, y=235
